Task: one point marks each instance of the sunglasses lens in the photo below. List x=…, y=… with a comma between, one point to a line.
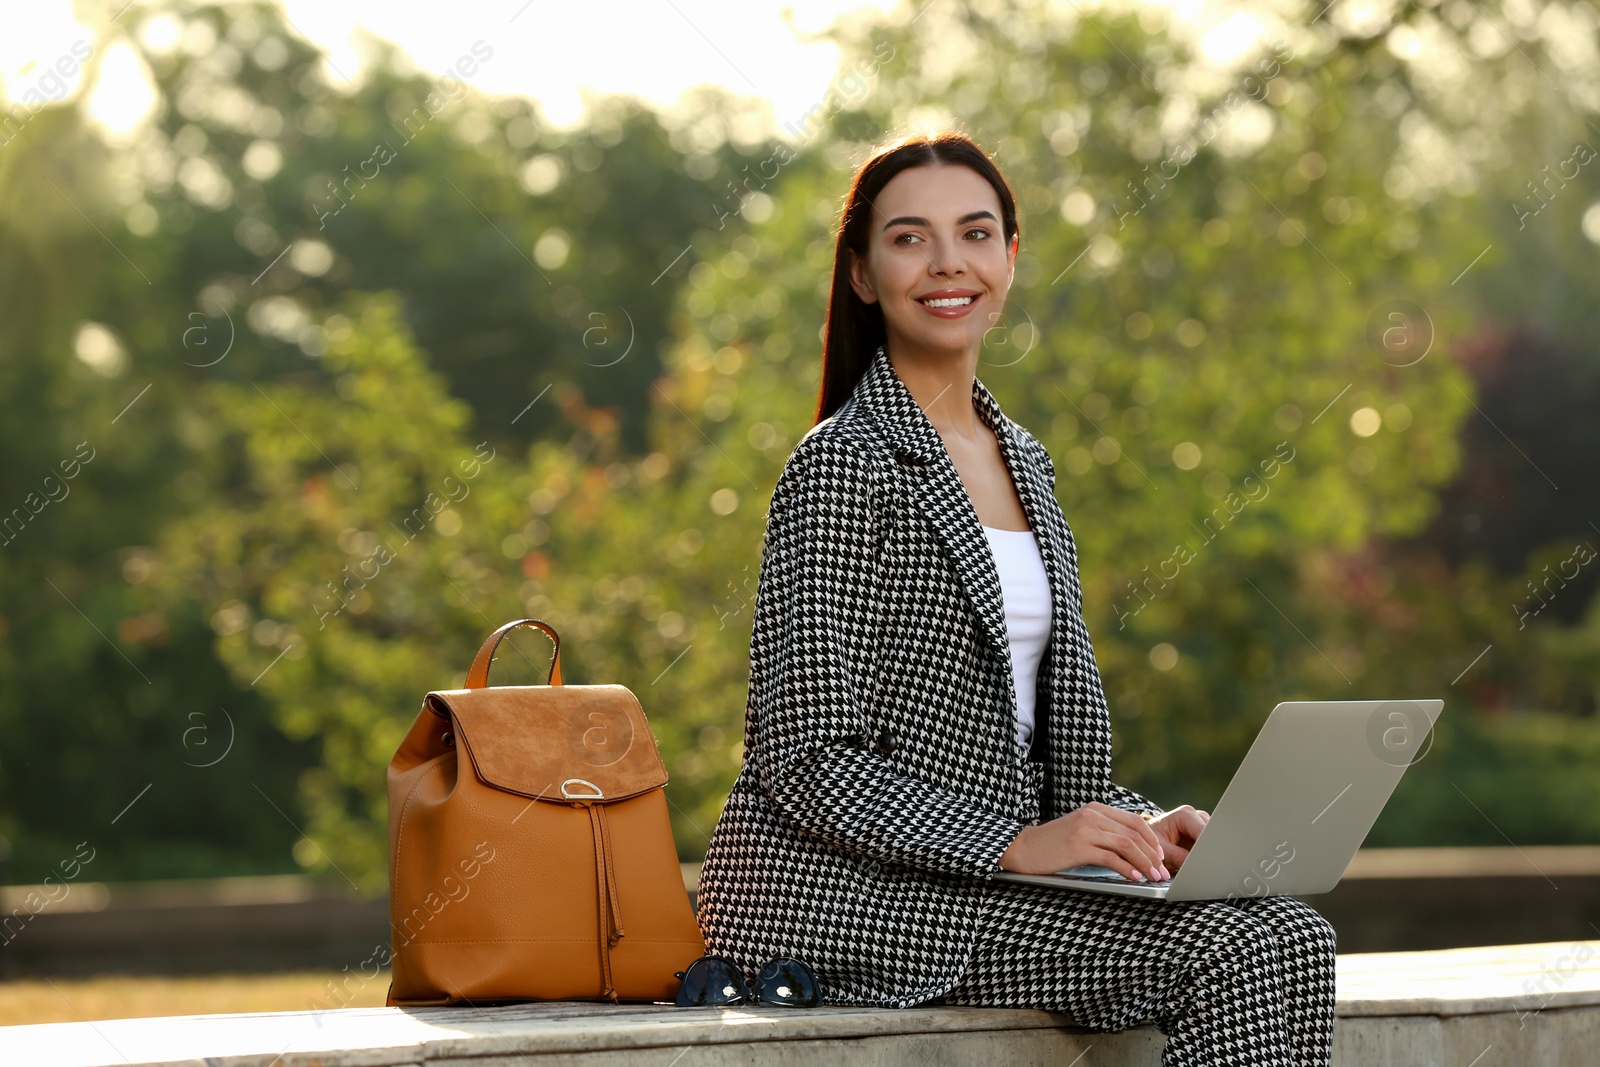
x=712, y=980
x=787, y=981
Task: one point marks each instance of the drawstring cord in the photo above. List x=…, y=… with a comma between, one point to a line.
x=608, y=904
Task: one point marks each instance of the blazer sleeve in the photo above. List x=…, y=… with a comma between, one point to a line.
x=814, y=632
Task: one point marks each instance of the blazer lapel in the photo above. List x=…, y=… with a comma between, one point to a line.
x=1032, y=480
x=938, y=492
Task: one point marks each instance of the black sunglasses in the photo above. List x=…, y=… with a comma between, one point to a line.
x=784, y=982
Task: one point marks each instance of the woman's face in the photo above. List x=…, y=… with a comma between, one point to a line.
x=936, y=234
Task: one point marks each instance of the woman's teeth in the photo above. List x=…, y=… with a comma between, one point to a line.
x=948, y=302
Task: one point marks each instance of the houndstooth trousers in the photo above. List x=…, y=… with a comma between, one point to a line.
x=1246, y=982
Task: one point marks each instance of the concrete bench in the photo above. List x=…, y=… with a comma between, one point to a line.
x=1529, y=1005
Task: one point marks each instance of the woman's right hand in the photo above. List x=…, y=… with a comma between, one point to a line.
x=1096, y=834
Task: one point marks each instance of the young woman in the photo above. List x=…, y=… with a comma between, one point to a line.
x=925, y=709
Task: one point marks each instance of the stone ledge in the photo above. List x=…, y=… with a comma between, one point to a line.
x=1539, y=1004
x=1540, y=861
x=1471, y=981
x=370, y=1037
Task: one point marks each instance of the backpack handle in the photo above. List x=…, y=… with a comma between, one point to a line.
x=478, y=676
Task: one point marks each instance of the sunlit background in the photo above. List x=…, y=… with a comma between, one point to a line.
x=1304, y=313
x=773, y=54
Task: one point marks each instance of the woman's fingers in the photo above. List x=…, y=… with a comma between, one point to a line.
x=1184, y=821
x=1138, y=825
x=1176, y=854
x=1116, y=861
x=1134, y=840
x=1183, y=825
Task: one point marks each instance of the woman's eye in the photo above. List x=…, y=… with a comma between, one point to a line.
x=975, y=230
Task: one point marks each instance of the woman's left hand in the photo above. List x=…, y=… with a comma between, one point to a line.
x=1178, y=830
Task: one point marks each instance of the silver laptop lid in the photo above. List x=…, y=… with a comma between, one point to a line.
x=1310, y=788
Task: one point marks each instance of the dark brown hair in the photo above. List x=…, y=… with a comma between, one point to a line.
x=855, y=328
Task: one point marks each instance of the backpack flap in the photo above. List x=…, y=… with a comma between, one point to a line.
x=556, y=742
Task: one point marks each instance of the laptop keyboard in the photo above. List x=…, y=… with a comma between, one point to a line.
x=1105, y=874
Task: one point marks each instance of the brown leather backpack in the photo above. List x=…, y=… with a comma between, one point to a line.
x=531, y=855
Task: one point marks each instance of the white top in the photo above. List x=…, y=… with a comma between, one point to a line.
x=1025, y=588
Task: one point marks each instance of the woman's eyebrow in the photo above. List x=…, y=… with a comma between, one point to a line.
x=918, y=220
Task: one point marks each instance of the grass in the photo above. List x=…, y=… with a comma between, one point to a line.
x=63, y=1000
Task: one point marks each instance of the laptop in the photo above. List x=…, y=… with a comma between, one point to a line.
x=1298, y=807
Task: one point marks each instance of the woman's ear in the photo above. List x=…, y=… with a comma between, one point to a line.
x=859, y=280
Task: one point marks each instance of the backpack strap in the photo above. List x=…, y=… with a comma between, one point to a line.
x=478, y=675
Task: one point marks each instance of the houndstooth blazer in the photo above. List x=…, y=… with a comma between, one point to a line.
x=882, y=778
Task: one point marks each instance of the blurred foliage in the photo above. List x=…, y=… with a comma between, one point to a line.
x=339, y=432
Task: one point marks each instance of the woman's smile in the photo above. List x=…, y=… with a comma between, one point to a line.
x=949, y=303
